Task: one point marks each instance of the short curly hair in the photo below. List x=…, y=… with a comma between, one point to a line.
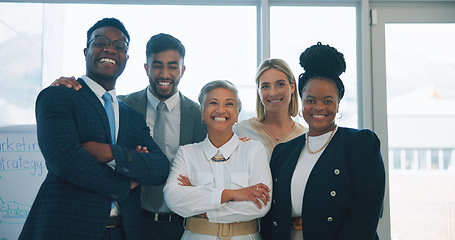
x=107, y=22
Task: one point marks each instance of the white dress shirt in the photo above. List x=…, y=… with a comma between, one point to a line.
x=248, y=165
x=171, y=142
x=99, y=92
x=172, y=116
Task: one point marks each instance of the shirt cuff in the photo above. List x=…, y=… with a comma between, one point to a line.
x=216, y=197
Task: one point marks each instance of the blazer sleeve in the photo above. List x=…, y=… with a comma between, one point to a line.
x=150, y=168
x=368, y=176
x=60, y=144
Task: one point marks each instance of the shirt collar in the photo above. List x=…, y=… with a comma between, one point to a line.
x=227, y=149
x=170, y=102
x=97, y=89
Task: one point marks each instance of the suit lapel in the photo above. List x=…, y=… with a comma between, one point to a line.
x=88, y=94
x=124, y=119
x=140, y=102
x=187, y=119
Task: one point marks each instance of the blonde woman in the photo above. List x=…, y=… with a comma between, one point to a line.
x=276, y=104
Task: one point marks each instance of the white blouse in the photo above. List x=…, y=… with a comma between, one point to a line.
x=303, y=170
x=248, y=165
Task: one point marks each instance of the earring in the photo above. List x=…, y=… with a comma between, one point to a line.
x=341, y=115
x=301, y=113
x=202, y=121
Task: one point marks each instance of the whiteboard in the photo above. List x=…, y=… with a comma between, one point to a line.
x=22, y=170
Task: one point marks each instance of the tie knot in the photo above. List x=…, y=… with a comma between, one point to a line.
x=107, y=96
x=161, y=106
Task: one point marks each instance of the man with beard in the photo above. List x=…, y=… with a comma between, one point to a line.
x=183, y=125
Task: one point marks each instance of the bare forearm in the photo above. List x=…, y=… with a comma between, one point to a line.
x=257, y=193
x=226, y=196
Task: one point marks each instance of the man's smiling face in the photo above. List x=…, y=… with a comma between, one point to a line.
x=105, y=63
x=164, y=70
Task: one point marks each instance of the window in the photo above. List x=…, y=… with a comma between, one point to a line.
x=46, y=41
x=20, y=61
x=423, y=163
x=409, y=154
x=421, y=96
x=293, y=29
x=448, y=159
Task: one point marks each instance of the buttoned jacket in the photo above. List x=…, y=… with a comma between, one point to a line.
x=344, y=193
x=74, y=201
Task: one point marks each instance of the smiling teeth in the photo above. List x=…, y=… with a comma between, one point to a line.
x=275, y=101
x=164, y=83
x=318, y=116
x=107, y=60
x=221, y=119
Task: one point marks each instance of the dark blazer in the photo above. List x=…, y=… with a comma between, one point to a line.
x=191, y=128
x=75, y=198
x=344, y=193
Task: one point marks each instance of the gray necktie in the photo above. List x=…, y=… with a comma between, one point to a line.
x=158, y=129
x=159, y=136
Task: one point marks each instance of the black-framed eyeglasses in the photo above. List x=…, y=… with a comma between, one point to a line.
x=103, y=42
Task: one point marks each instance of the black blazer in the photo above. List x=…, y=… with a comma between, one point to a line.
x=344, y=193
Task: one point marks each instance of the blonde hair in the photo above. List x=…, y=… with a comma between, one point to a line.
x=283, y=67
